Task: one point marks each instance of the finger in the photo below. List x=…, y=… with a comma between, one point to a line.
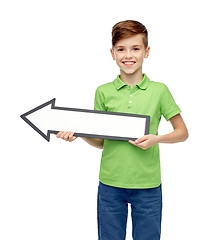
x=141, y=145
x=141, y=139
x=132, y=142
x=62, y=134
x=65, y=137
x=59, y=134
x=71, y=137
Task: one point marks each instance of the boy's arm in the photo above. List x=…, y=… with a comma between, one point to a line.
x=69, y=137
x=95, y=142
x=179, y=134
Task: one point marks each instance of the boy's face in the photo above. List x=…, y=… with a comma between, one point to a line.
x=129, y=54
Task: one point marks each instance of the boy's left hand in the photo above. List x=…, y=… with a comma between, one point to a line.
x=146, y=141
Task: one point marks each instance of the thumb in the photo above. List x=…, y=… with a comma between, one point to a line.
x=141, y=139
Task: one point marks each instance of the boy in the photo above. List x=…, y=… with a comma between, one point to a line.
x=130, y=171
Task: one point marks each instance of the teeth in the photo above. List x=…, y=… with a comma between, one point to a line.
x=128, y=63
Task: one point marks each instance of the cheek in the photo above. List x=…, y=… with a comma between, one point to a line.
x=143, y=54
x=118, y=58
x=141, y=57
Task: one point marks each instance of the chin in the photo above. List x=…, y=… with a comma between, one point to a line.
x=129, y=72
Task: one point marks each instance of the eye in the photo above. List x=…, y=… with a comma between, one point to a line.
x=120, y=50
x=136, y=49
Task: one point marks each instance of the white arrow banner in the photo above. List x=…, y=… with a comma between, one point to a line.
x=47, y=118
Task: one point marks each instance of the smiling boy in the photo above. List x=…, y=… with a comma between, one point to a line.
x=130, y=171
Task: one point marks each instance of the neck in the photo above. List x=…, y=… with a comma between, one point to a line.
x=131, y=79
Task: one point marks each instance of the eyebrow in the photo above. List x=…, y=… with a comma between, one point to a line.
x=132, y=46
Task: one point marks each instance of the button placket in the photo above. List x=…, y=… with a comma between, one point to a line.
x=130, y=101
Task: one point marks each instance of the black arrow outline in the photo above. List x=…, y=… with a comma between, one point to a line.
x=52, y=102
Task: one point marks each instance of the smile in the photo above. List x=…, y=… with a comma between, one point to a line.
x=129, y=63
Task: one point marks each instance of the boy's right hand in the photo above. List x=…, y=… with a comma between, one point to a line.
x=67, y=136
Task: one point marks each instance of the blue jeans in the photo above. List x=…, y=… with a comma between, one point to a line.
x=112, y=212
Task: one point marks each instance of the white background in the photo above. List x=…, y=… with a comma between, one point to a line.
x=61, y=49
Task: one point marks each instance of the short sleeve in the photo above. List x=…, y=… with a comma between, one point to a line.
x=168, y=106
x=98, y=101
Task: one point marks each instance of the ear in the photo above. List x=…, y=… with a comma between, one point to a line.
x=112, y=53
x=147, y=52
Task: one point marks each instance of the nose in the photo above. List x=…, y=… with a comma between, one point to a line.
x=128, y=54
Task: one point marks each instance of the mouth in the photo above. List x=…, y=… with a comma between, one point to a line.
x=129, y=63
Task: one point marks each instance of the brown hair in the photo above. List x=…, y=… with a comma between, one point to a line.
x=128, y=28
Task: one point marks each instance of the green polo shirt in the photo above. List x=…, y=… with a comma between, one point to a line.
x=123, y=164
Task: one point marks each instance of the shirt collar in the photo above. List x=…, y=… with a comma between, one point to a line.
x=143, y=84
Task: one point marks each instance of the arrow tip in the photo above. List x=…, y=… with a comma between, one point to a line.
x=24, y=117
